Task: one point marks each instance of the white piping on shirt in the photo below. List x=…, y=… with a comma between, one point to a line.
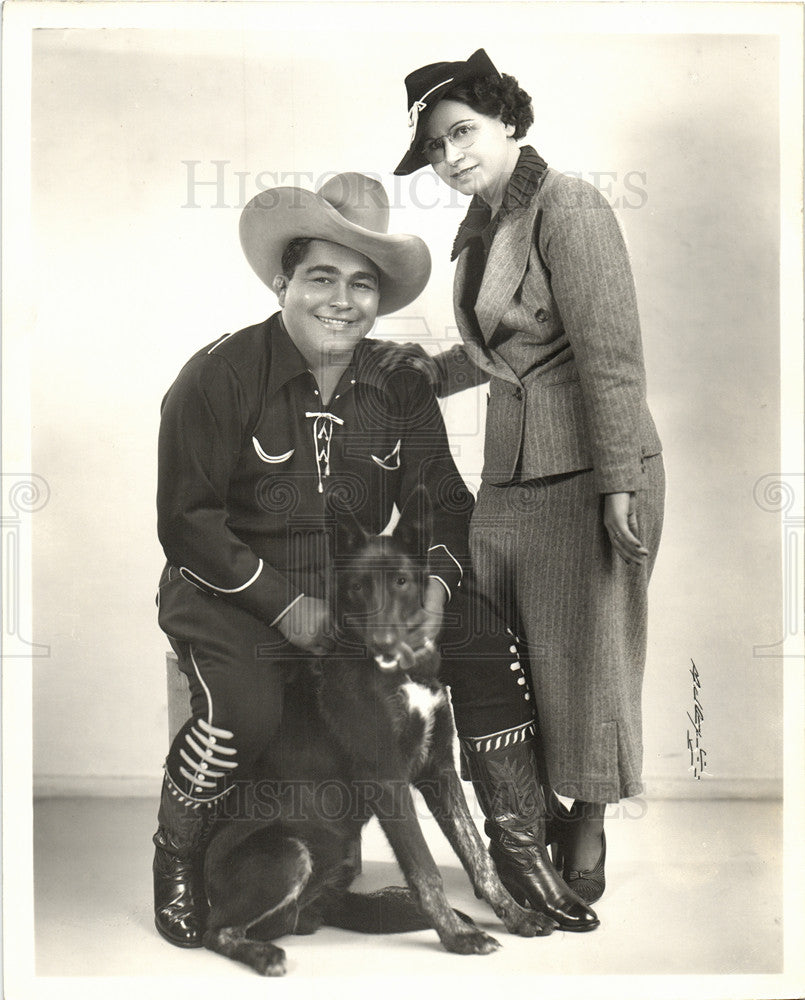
x=285, y=611
x=392, y=460
x=433, y=576
x=218, y=343
x=460, y=568
x=265, y=457
x=187, y=573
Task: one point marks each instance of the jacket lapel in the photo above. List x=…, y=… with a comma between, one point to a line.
x=473, y=339
x=464, y=317
x=505, y=268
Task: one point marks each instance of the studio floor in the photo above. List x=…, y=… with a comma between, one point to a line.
x=694, y=888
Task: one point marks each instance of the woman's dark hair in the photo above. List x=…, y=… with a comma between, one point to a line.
x=294, y=254
x=496, y=98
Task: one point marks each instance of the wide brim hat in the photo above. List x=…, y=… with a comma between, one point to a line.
x=425, y=87
x=349, y=209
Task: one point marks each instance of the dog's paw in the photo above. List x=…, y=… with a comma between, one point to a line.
x=269, y=960
x=471, y=941
x=263, y=956
x=528, y=923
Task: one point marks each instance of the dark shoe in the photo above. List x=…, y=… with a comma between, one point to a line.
x=525, y=868
x=180, y=904
x=507, y=786
x=589, y=884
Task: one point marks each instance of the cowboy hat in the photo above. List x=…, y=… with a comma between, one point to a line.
x=350, y=209
x=425, y=87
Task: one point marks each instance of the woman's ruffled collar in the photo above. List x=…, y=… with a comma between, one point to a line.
x=524, y=181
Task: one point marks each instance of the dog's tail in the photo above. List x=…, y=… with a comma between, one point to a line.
x=387, y=911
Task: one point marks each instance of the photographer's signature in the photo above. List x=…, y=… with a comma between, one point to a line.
x=698, y=755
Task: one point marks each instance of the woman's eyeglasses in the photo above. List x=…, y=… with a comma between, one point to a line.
x=461, y=136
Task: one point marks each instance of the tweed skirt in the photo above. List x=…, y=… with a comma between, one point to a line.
x=541, y=554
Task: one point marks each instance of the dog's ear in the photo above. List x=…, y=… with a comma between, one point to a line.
x=414, y=530
x=349, y=535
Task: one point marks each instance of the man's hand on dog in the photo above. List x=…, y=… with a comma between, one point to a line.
x=307, y=626
x=421, y=653
x=433, y=611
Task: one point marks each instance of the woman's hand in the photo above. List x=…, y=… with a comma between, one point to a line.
x=307, y=626
x=620, y=521
x=390, y=356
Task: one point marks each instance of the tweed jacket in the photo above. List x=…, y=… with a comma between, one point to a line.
x=555, y=329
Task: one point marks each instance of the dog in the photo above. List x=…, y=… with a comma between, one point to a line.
x=360, y=727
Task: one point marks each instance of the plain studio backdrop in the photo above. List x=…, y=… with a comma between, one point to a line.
x=150, y=127
x=147, y=144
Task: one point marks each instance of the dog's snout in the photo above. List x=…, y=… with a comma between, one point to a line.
x=384, y=640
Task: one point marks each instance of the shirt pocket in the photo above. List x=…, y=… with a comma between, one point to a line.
x=389, y=461
x=272, y=457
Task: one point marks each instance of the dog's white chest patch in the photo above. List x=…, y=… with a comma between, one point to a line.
x=424, y=702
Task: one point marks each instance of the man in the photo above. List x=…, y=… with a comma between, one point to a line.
x=265, y=435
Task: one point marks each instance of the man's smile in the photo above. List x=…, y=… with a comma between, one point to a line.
x=335, y=324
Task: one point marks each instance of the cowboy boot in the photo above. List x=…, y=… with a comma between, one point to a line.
x=180, y=902
x=508, y=789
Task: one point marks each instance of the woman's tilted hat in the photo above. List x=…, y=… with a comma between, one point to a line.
x=425, y=87
x=350, y=209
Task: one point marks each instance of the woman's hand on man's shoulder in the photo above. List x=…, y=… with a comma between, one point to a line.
x=389, y=357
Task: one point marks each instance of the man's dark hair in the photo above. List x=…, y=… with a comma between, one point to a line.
x=294, y=254
x=496, y=98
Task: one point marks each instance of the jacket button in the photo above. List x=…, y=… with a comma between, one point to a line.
x=542, y=315
x=518, y=393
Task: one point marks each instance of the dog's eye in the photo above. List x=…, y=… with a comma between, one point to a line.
x=356, y=587
x=401, y=581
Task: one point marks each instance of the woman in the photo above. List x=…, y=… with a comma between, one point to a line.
x=263, y=436
x=569, y=513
